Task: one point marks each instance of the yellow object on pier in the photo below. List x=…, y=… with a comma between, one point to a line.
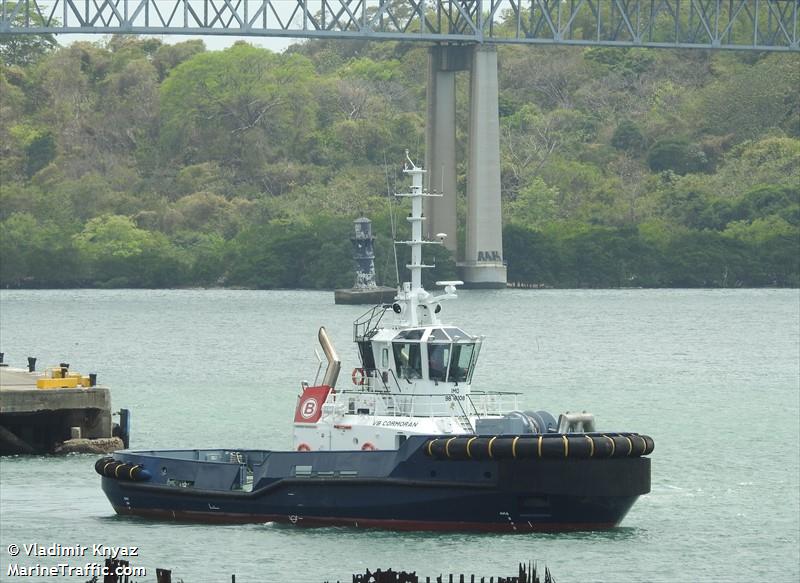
x=67, y=383
x=60, y=378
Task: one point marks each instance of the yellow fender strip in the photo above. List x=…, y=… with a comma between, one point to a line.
x=447, y=447
x=613, y=445
x=430, y=443
x=540, y=446
x=514, y=447
x=491, y=442
x=116, y=471
x=106, y=465
x=130, y=472
x=591, y=446
x=566, y=445
x=469, y=455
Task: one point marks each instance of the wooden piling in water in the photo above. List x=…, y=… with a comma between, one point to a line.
x=526, y=573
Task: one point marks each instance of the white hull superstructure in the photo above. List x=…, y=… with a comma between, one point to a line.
x=415, y=373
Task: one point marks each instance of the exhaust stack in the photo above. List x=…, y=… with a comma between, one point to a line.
x=334, y=364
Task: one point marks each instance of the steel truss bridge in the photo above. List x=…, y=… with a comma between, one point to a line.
x=719, y=24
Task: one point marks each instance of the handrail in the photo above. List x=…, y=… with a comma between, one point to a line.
x=464, y=415
x=474, y=408
x=365, y=322
x=394, y=376
x=486, y=393
x=410, y=405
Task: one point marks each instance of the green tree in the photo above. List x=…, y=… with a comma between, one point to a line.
x=245, y=167
x=628, y=137
x=167, y=57
x=25, y=49
x=39, y=152
x=750, y=99
x=707, y=259
x=35, y=254
x=286, y=254
x=207, y=255
x=532, y=256
x=770, y=200
x=677, y=155
x=536, y=205
x=12, y=112
x=241, y=106
x=119, y=254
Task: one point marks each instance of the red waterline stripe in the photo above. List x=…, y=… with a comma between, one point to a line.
x=386, y=524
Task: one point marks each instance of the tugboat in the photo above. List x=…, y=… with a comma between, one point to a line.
x=406, y=445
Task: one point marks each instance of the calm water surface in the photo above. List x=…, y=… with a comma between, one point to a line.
x=713, y=376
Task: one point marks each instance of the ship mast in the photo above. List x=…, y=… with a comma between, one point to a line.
x=420, y=306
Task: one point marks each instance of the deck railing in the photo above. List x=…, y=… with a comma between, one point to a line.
x=398, y=404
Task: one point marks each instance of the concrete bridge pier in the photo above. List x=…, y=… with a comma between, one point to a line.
x=440, y=142
x=481, y=262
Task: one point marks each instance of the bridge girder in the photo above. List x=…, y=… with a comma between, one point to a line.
x=763, y=25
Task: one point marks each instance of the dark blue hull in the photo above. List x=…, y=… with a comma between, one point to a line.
x=401, y=490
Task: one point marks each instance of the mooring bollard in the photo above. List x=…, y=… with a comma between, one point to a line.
x=31, y=364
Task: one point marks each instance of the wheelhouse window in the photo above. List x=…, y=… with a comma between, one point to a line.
x=385, y=358
x=438, y=360
x=438, y=335
x=461, y=363
x=456, y=333
x=415, y=334
x=407, y=360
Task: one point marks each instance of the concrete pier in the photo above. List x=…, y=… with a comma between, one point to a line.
x=440, y=142
x=36, y=421
x=481, y=263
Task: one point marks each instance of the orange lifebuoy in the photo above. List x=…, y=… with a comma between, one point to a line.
x=303, y=447
x=368, y=447
x=358, y=376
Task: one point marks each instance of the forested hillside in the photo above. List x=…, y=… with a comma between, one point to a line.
x=132, y=163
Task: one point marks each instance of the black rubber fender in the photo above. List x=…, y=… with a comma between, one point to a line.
x=543, y=446
x=111, y=468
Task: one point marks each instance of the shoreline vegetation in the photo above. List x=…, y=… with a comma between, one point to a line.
x=130, y=163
